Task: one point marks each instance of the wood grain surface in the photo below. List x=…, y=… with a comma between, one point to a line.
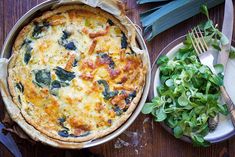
x=152, y=140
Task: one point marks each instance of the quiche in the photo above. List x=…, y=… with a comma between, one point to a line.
x=74, y=74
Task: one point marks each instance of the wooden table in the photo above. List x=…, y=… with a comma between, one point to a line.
x=153, y=140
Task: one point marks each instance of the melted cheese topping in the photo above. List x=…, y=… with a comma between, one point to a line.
x=75, y=73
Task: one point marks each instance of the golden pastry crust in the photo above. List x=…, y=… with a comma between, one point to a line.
x=80, y=107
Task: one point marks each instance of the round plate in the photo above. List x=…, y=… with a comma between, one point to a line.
x=225, y=128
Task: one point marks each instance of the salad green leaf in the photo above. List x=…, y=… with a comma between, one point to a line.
x=183, y=100
x=232, y=53
x=178, y=132
x=204, y=10
x=219, y=68
x=163, y=59
x=148, y=107
x=160, y=114
x=224, y=40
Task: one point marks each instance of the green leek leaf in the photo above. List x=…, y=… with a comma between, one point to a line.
x=171, y=14
x=149, y=1
x=150, y=11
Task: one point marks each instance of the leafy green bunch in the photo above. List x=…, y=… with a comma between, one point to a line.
x=189, y=92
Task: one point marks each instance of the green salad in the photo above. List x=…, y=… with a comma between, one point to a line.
x=189, y=92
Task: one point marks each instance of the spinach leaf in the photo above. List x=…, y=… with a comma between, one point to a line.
x=26, y=42
x=55, y=84
x=61, y=122
x=20, y=87
x=105, y=84
x=65, y=35
x=117, y=110
x=107, y=93
x=130, y=97
x=124, y=41
x=70, y=46
x=27, y=57
x=75, y=63
x=28, y=49
x=19, y=99
x=42, y=77
x=107, y=59
x=110, y=22
x=39, y=28
x=111, y=94
x=82, y=135
x=63, y=74
x=63, y=133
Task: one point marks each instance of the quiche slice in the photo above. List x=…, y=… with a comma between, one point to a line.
x=74, y=75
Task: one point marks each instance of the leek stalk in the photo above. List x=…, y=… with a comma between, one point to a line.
x=171, y=14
